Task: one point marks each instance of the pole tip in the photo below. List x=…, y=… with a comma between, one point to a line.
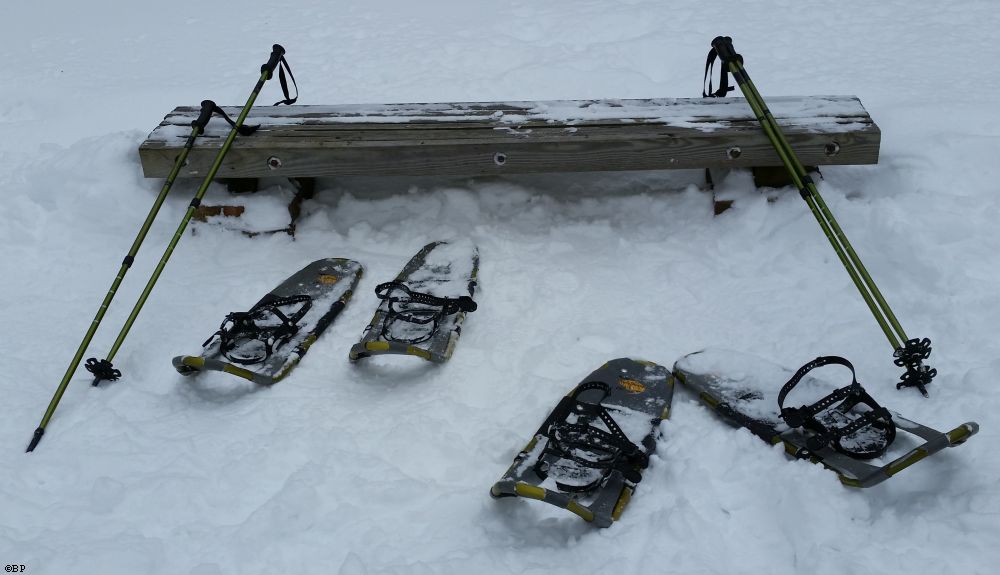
x=35, y=439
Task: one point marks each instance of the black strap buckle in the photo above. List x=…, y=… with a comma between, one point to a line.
x=795, y=416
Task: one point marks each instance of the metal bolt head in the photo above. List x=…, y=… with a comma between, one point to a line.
x=274, y=162
x=499, y=158
x=734, y=152
x=832, y=149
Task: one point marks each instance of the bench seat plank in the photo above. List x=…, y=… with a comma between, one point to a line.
x=491, y=138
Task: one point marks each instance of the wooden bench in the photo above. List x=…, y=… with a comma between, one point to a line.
x=496, y=138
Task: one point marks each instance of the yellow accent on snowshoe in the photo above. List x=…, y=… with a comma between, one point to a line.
x=529, y=491
x=238, y=371
x=711, y=401
x=193, y=362
x=849, y=481
x=580, y=510
x=665, y=414
x=631, y=385
x=905, y=461
x=959, y=434
x=531, y=445
x=307, y=342
x=422, y=353
x=623, y=500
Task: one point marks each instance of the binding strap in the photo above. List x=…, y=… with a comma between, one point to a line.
x=243, y=130
x=724, y=86
x=849, y=396
x=246, y=130
x=404, y=293
x=429, y=310
x=282, y=67
x=606, y=450
x=241, y=328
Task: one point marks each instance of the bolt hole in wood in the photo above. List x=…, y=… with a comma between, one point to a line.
x=552, y=136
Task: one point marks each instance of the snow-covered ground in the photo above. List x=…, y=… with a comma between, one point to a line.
x=385, y=467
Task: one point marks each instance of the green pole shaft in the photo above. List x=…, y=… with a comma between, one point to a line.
x=762, y=114
x=187, y=218
x=797, y=166
x=126, y=265
x=267, y=70
x=838, y=239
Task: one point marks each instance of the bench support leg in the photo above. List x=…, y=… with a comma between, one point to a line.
x=776, y=176
x=305, y=189
x=240, y=185
x=763, y=177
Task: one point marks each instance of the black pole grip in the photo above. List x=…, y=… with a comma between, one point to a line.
x=276, y=53
x=724, y=47
x=207, y=107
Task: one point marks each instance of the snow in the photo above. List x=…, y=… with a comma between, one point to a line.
x=828, y=114
x=385, y=467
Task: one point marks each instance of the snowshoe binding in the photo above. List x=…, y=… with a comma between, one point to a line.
x=843, y=428
x=589, y=454
x=266, y=342
x=422, y=310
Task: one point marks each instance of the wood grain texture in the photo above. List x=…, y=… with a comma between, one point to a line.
x=517, y=137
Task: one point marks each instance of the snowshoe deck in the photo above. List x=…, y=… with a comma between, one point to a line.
x=286, y=322
x=422, y=309
x=745, y=391
x=588, y=455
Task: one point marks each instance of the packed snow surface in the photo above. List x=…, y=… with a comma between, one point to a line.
x=385, y=466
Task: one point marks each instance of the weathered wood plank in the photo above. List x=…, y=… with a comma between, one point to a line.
x=517, y=137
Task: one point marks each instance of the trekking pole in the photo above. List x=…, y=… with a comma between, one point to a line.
x=197, y=128
x=911, y=352
x=104, y=369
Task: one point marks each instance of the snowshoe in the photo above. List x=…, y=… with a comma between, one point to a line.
x=589, y=454
x=422, y=310
x=266, y=342
x=843, y=428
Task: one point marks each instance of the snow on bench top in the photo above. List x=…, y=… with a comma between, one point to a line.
x=827, y=114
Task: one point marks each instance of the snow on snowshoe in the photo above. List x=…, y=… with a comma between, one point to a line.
x=422, y=310
x=266, y=342
x=589, y=454
x=843, y=428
